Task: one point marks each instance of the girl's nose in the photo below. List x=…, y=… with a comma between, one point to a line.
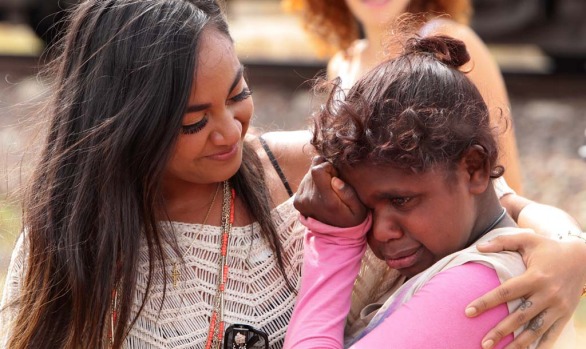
x=384, y=228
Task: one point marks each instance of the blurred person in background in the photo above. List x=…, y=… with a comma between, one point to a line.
x=153, y=219
x=357, y=32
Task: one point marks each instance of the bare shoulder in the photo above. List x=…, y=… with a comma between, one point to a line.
x=292, y=151
x=344, y=62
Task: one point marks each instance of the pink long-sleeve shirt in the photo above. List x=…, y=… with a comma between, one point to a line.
x=432, y=318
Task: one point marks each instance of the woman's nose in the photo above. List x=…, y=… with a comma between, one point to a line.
x=228, y=130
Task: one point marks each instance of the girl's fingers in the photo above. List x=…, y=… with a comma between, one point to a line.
x=548, y=340
x=540, y=323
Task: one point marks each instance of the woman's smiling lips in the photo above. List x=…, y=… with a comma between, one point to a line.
x=404, y=259
x=225, y=154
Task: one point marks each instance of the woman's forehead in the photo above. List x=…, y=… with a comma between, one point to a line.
x=215, y=48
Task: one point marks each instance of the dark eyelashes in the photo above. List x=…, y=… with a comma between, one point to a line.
x=247, y=92
x=402, y=202
x=196, y=127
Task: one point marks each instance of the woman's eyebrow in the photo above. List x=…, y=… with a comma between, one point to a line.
x=199, y=107
x=236, y=78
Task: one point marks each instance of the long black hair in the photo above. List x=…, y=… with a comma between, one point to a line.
x=123, y=80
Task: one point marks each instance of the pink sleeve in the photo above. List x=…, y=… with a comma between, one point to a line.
x=435, y=314
x=331, y=262
x=434, y=317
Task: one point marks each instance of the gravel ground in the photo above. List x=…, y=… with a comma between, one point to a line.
x=549, y=114
x=550, y=119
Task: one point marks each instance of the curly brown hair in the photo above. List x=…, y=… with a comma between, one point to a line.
x=335, y=28
x=413, y=112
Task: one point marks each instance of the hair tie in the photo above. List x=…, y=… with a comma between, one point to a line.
x=445, y=49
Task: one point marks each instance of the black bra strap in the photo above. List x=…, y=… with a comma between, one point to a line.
x=276, y=165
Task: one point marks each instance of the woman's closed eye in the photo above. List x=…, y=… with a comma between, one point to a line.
x=246, y=92
x=196, y=126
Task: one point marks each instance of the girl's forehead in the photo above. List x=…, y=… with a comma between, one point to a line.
x=388, y=174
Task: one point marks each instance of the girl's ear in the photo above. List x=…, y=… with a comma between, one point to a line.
x=477, y=166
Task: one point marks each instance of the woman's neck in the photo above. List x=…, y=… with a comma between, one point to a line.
x=373, y=52
x=188, y=203
x=379, y=46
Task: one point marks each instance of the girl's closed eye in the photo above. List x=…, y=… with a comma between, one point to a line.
x=196, y=126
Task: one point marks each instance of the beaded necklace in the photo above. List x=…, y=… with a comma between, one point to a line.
x=113, y=317
x=216, y=331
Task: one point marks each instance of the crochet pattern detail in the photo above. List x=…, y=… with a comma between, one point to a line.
x=256, y=293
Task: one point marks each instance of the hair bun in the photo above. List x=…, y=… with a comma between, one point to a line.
x=445, y=49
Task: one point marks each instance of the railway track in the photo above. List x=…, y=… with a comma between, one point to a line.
x=296, y=75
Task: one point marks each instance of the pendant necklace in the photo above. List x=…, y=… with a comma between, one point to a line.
x=176, y=274
x=495, y=222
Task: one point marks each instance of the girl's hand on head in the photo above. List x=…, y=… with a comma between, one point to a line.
x=326, y=198
x=550, y=289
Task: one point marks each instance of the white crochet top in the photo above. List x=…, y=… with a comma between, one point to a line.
x=256, y=293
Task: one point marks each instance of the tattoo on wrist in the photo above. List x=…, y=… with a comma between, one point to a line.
x=573, y=234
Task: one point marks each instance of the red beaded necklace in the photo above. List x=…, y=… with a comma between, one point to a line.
x=216, y=331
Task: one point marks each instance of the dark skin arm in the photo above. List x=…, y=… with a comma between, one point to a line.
x=326, y=198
